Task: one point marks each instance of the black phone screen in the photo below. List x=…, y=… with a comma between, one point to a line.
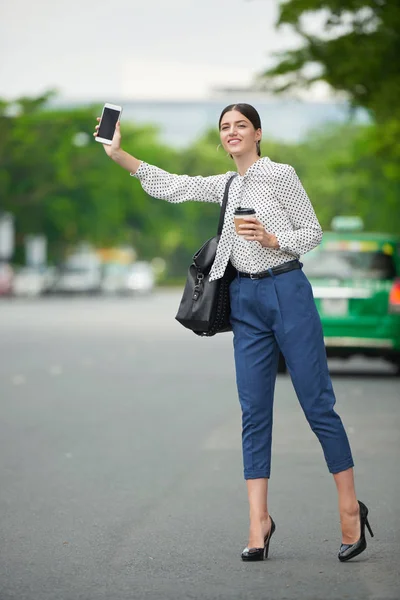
x=108, y=123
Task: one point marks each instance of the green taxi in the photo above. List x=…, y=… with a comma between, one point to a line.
x=355, y=277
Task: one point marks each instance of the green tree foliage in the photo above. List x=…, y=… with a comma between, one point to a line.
x=57, y=180
x=346, y=171
x=356, y=51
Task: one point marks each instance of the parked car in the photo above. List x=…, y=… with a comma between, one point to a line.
x=124, y=279
x=30, y=281
x=77, y=280
x=81, y=274
x=140, y=278
x=355, y=277
x=114, y=278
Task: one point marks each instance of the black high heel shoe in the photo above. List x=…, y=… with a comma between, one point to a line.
x=260, y=553
x=348, y=551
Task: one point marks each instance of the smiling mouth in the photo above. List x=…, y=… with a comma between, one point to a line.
x=234, y=141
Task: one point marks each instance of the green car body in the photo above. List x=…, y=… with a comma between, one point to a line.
x=356, y=284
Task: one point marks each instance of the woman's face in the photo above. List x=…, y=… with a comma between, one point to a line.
x=237, y=134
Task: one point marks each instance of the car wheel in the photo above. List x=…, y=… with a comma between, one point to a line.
x=396, y=362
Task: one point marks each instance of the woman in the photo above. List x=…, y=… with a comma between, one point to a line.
x=272, y=309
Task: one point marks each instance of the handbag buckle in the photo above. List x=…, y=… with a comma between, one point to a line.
x=198, y=286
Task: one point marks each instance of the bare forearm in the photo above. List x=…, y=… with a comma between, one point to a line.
x=125, y=160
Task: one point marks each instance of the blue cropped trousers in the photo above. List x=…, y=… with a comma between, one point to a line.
x=268, y=315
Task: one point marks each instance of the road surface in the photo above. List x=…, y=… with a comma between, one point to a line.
x=121, y=473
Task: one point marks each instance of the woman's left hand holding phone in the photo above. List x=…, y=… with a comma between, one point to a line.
x=115, y=152
x=113, y=148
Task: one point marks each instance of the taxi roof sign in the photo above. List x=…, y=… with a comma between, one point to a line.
x=341, y=223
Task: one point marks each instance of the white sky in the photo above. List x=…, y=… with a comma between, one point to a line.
x=135, y=49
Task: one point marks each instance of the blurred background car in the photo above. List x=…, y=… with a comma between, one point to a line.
x=120, y=278
x=80, y=274
x=79, y=280
x=114, y=278
x=30, y=281
x=355, y=277
x=140, y=278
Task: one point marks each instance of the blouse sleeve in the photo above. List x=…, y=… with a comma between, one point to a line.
x=307, y=232
x=179, y=188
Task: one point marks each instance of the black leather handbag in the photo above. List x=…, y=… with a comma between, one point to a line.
x=205, y=306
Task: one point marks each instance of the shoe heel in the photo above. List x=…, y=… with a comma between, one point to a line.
x=266, y=550
x=369, y=527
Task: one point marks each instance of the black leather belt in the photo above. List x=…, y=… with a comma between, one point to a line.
x=278, y=270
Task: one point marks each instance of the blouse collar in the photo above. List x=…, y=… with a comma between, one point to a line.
x=255, y=166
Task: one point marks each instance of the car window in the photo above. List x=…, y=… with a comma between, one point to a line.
x=114, y=269
x=141, y=268
x=344, y=264
x=68, y=270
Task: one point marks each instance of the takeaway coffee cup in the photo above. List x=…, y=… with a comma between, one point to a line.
x=240, y=213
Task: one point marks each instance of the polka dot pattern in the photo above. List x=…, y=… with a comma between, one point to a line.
x=272, y=189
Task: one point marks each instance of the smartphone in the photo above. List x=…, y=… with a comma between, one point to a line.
x=110, y=115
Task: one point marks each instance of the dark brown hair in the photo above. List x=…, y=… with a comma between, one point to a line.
x=247, y=111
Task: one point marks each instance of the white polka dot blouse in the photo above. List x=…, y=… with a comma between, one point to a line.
x=272, y=189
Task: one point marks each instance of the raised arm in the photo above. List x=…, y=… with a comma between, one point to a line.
x=307, y=231
x=161, y=184
x=180, y=188
x=115, y=152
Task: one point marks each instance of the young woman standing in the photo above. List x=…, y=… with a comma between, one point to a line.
x=272, y=310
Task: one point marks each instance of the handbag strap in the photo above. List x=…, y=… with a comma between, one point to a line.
x=224, y=203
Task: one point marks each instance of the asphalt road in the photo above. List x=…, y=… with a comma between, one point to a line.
x=121, y=472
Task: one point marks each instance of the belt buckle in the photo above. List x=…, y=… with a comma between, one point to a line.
x=254, y=276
